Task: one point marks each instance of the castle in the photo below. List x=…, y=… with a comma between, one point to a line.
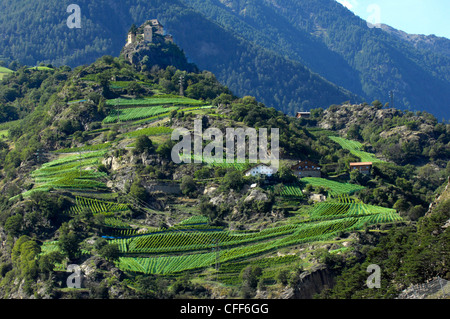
x=146, y=32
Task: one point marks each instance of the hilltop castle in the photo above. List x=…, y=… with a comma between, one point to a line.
x=147, y=31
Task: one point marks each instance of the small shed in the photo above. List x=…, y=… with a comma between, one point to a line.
x=301, y=115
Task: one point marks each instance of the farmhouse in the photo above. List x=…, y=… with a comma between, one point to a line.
x=363, y=167
x=260, y=169
x=307, y=168
x=303, y=115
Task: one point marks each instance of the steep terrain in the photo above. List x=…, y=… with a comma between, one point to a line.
x=88, y=178
x=413, y=259
x=439, y=45
x=291, y=55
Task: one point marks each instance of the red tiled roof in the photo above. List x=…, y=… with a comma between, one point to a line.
x=361, y=164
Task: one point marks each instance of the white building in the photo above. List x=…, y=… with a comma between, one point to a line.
x=260, y=169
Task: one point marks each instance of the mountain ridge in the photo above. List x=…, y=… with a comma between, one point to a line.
x=440, y=45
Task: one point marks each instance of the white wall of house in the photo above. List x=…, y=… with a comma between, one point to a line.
x=260, y=170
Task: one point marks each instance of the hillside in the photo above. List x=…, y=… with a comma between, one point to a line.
x=339, y=46
x=246, y=68
x=420, y=252
x=394, y=134
x=290, y=55
x=88, y=178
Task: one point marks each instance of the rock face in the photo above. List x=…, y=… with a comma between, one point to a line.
x=436, y=288
x=256, y=195
x=343, y=117
x=442, y=197
x=161, y=53
x=313, y=282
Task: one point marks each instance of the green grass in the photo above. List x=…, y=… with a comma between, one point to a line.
x=76, y=101
x=96, y=147
x=4, y=71
x=151, y=119
x=150, y=131
x=4, y=134
x=125, y=84
x=41, y=68
x=355, y=148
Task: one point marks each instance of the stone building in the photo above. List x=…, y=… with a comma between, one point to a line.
x=307, y=168
x=147, y=33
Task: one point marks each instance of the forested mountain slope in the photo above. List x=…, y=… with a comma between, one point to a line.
x=88, y=178
x=246, y=68
x=279, y=51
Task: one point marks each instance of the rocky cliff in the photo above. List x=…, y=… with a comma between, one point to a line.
x=313, y=282
x=145, y=55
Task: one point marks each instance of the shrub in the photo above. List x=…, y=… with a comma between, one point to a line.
x=143, y=144
x=188, y=186
x=110, y=252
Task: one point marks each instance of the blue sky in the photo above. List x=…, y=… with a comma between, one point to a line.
x=412, y=16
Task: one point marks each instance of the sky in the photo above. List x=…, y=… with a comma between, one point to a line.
x=412, y=16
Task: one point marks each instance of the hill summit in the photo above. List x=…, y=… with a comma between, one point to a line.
x=147, y=46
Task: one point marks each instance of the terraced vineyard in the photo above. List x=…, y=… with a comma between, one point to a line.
x=145, y=108
x=213, y=162
x=355, y=148
x=197, y=246
x=155, y=100
x=137, y=113
x=340, y=209
x=73, y=172
x=95, y=147
x=194, y=220
x=96, y=206
x=291, y=191
x=333, y=188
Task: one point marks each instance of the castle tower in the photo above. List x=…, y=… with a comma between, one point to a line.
x=159, y=27
x=131, y=38
x=148, y=33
